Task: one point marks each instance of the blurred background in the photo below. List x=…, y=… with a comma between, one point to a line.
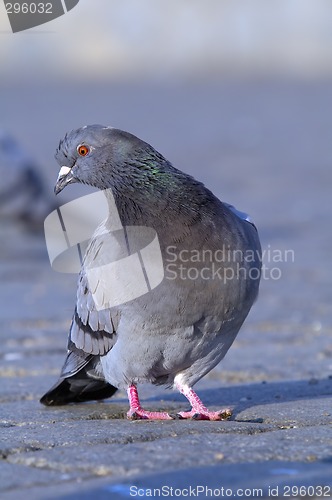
x=235, y=93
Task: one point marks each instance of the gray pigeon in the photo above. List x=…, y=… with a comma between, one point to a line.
x=179, y=330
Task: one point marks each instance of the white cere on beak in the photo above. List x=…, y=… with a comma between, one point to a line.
x=63, y=171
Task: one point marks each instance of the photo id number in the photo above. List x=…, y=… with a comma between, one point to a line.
x=307, y=491
x=29, y=8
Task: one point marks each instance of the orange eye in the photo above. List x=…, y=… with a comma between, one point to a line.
x=83, y=150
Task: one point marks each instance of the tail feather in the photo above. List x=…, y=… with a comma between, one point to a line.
x=80, y=381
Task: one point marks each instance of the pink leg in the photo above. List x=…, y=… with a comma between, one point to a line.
x=136, y=412
x=198, y=410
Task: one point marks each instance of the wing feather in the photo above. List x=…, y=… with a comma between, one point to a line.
x=92, y=331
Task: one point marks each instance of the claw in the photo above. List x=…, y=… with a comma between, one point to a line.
x=175, y=416
x=135, y=416
x=225, y=414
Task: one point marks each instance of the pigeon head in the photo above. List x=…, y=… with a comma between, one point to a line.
x=105, y=157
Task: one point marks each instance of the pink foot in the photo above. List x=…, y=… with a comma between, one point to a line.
x=139, y=413
x=200, y=414
x=198, y=410
x=136, y=412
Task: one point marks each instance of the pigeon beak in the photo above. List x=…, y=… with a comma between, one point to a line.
x=65, y=177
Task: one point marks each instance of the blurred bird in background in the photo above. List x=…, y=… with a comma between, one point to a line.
x=23, y=193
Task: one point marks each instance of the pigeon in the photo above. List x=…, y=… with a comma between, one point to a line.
x=177, y=331
x=25, y=196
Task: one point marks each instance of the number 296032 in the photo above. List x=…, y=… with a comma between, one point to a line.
x=29, y=8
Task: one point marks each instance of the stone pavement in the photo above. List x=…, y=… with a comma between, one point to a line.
x=277, y=377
